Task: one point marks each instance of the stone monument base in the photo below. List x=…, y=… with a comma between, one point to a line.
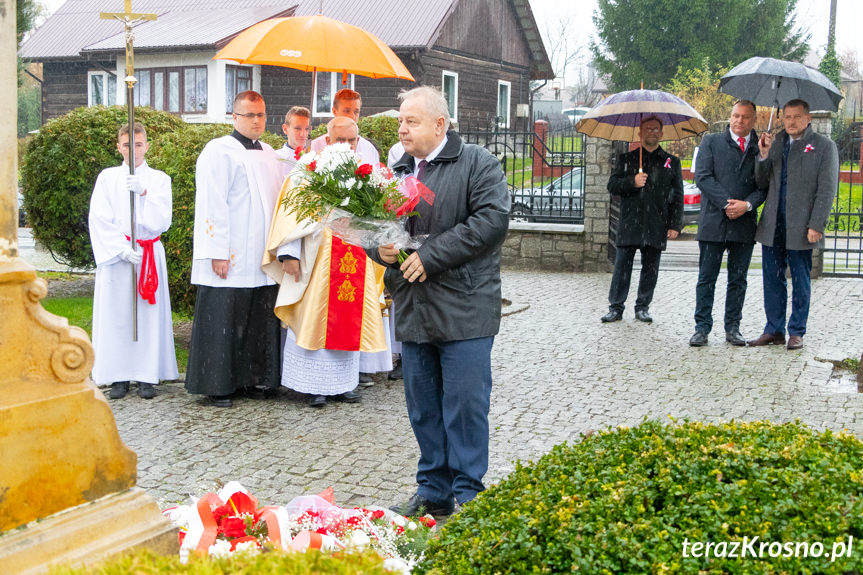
x=89, y=533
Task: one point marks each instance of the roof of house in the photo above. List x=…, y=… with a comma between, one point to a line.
x=75, y=28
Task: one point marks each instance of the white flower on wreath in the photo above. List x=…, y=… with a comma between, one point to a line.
x=396, y=565
x=358, y=540
x=221, y=548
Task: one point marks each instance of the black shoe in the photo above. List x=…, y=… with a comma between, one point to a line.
x=612, y=315
x=146, y=390
x=258, y=392
x=642, y=315
x=366, y=380
x=419, y=505
x=698, y=339
x=119, y=389
x=396, y=373
x=734, y=337
x=347, y=397
x=220, y=400
x=318, y=401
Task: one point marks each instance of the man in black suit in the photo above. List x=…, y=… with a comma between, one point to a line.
x=725, y=174
x=650, y=185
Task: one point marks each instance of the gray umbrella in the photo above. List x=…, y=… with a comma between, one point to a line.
x=771, y=82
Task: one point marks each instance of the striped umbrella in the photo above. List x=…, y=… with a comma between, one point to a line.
x=618, y=117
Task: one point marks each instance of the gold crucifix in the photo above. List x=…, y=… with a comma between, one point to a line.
x=128, y=18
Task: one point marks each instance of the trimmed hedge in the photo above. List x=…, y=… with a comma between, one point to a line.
x=60, y=169
x=313, y=562
x=626, y=500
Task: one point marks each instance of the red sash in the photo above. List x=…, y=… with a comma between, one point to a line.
x=345, y=302
x=148, y=279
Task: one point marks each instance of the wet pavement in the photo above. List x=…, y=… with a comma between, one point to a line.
x=558, y=372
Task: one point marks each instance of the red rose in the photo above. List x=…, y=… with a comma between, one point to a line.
x=378, y=514
x=298, y=153
x=322, y=530
x=221, y=511
x=312, y=166
x=364, y=171
x=427, y=521
x=233, y=527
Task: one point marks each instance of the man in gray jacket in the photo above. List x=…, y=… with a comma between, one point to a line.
x=447, y=301
x=802, y=169
x=725, y=174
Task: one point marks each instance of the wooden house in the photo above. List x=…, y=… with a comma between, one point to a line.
x=481, y=53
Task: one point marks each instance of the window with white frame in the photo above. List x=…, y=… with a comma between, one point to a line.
x=238, y=79
x=101, y=89
x=503, y=94
x=449, y=82
x=177, y=90
x=326, y=86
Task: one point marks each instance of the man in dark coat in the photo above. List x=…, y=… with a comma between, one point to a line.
x=802, y=170
x=651, y=210
x=725, y=174
x=447, y=301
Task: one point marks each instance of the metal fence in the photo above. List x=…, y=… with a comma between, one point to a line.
x=843, y=238
x=544, y=168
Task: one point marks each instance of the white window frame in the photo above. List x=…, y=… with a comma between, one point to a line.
x=105, y=80
x=335, y=86
x=454, y=75
x=505, y=114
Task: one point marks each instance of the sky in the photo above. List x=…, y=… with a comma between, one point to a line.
x=813, y=14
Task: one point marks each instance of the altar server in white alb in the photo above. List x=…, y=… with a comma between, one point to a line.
x=119, y=359
x=235, y=336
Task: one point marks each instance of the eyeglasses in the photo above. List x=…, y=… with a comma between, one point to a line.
x=260, y=116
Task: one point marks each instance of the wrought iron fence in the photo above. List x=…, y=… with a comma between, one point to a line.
x=843, y=238
x=544, y=168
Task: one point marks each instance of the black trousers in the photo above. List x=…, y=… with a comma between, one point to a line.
x=623, y=274
x=235, y=340
x=709, y=263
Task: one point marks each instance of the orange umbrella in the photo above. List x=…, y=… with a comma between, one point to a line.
x=315, y=44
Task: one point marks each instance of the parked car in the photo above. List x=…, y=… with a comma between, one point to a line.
x=22, y=217
x=575, y=114
x=691, y=204
x=561, y=201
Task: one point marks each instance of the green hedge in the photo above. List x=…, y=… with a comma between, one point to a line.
x=626, y=500
x=60, y=169
x=313, y=562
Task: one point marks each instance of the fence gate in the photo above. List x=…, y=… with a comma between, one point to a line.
x=843, y=238
x=544, y=169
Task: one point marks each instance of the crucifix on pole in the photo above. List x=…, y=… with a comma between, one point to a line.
x=129, y=18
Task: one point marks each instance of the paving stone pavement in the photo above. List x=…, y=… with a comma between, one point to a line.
x=558, y=372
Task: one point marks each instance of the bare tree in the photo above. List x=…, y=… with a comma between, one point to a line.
x=564, y=47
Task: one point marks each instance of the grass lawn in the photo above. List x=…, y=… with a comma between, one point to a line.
x=79, y=312
x=847, y=200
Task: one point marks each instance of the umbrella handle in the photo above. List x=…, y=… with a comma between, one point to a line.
x=770, y=122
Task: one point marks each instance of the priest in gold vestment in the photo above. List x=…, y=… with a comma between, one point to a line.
x=329, y=298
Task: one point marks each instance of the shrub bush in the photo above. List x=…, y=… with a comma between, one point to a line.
x=626, y=500
x=147, y=563
x=60, y=169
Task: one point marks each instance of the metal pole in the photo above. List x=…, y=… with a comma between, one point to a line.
x=130, y=104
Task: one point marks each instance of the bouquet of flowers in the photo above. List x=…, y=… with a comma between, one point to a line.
x=231, y=521
x=362, y=204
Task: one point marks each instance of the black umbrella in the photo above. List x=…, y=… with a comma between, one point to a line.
x=771, y=82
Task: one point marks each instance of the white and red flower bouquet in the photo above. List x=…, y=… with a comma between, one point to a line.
x=232, y=521
x=362, y=204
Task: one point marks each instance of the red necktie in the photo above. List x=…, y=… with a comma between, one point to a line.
x=742, y=142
